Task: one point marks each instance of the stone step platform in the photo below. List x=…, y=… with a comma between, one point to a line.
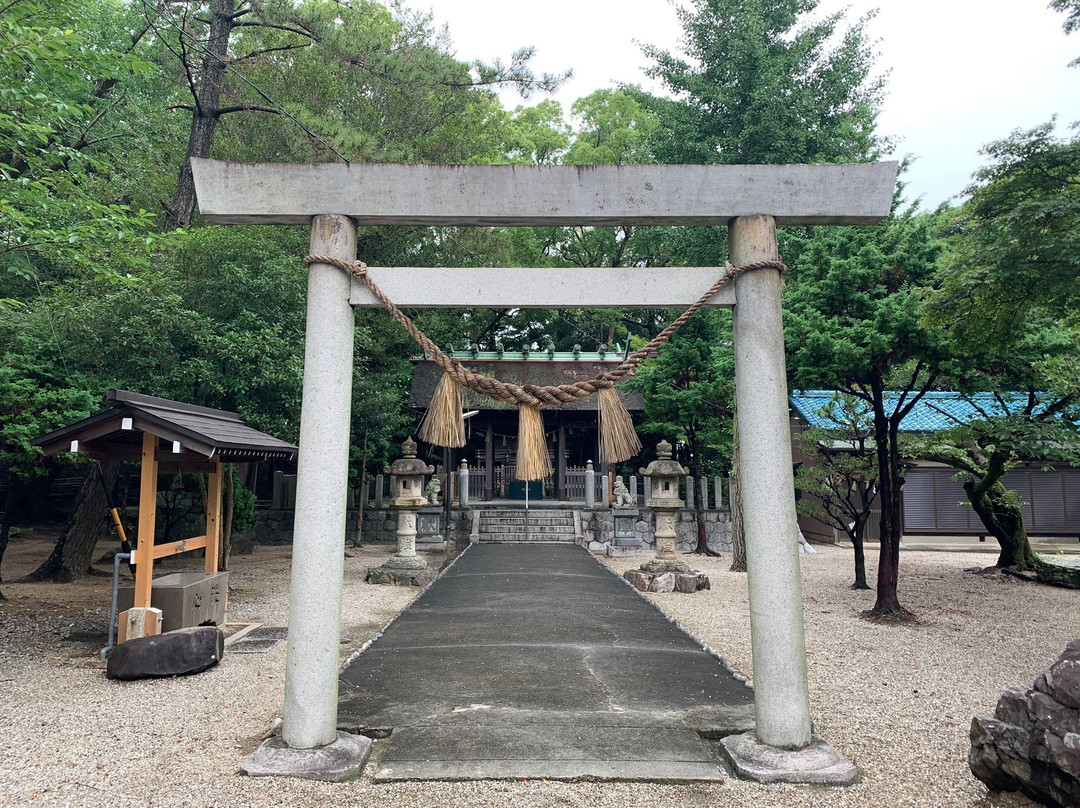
x=503, y=526
x=533, y=520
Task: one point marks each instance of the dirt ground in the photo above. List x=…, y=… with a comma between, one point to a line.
x=897, y=700
x=31, y=547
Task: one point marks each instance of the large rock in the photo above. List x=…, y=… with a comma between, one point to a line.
x=664, y=582
x=175, y=653
x=691, y=582
x=1032, y=744
x=639, y=579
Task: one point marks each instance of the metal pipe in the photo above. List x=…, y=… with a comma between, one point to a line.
x=104, y=652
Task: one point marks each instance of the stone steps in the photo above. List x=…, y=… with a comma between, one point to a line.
x=500, y=526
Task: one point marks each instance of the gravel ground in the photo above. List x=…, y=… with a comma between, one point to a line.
x=897, y=700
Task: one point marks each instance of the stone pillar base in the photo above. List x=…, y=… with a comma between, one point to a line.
x=400, y=562
x=625, y=551
x=395, y=576
x=819, y=763
x=686, y=582
x=342, y=760
x=658, y=565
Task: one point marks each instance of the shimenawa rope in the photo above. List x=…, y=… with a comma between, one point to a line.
x=442, y=428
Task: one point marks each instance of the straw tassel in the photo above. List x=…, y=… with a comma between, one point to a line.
x=617, y=434
x=533, y=462
x=443, y=424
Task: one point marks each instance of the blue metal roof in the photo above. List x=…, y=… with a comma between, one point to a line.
x=934, y=412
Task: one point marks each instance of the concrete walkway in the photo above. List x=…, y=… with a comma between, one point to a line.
x=535, y=661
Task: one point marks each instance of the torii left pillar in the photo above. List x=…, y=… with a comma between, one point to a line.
x=310, y=744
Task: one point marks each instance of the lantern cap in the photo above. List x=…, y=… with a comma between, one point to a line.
x=664, y=466
x=409, y=464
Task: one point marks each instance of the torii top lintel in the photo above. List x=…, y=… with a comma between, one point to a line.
x=484, y=196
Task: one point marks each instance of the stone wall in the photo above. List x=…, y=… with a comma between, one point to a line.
x=274, y=526
x=598, y=525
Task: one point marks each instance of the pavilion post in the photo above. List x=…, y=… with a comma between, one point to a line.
x=213, y=516
x=311, y=667
x=144, y=551
x=781, y=696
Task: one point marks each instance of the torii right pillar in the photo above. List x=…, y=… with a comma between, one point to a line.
x=782, y=747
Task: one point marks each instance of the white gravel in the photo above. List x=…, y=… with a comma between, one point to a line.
x=897, y=700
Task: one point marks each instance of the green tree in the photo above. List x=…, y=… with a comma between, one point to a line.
x=1008, y=428
x=854, y=314
x=840, y=476
x=368, y=84
x=614, y=129
x=53, y=209
x=1071, y=8
x=689, y=397
x=760, y=84
x=1009, y=299
x=1015, y=247
x=536, y=135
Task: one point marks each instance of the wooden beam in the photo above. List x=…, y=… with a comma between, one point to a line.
x=182, y=546
x=542, y=196
x=144, y=552
x=498, y=288
x=213, y=516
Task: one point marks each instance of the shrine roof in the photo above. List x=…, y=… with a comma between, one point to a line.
x=935, y=411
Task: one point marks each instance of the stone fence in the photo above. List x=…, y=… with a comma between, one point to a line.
x=598, y=525
x=604, y=527
x=710, y=491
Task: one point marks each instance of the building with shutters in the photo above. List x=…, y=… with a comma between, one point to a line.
x=934, y=503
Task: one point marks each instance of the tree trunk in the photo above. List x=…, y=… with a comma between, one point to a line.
x=204, y=117
x=738, y=538
x=358, y=535
x=860, y=558
x=89, y=522
x=11, y=512
x=702, y=547
x=1004, y=521
x=889, y=482
x=1054, y=574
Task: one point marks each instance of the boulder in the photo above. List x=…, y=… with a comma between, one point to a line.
x=690, y=582
x=1032, y=744
x=664, y=582
x=175, y=653
x=639, y=579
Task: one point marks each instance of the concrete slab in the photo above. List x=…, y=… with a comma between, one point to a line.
x=550, y=751
x=536, y=661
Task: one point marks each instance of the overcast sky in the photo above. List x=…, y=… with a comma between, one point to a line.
x=962, y=72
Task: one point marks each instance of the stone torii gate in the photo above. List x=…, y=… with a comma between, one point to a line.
x=750, y=200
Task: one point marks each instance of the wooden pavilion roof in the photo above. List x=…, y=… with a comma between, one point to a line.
x=196, y=433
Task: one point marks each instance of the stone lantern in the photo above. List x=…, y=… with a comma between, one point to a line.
x=662, y=496
x=405, y=567
x=666, y=572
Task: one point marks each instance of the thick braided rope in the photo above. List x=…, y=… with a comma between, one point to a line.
x=529, y=394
